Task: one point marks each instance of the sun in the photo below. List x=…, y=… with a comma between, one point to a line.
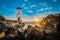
x=36, y=19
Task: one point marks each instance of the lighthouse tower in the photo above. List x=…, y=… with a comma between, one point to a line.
x=19, y=15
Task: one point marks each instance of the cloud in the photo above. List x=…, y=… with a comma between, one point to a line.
x=30, y=11
x=44, y=9
x=24, y=5
x=33, y=6
x=26, y=8
x=48, y=8
x=43, y=4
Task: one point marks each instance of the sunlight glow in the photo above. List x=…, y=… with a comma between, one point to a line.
x=36, y=20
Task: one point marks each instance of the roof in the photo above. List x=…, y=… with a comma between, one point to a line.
x=18, y=8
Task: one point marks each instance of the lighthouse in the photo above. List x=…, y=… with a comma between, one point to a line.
x=19, y=15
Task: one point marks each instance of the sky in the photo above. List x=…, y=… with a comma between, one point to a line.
x=30, y=8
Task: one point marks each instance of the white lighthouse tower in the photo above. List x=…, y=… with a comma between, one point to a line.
x=19, y=14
